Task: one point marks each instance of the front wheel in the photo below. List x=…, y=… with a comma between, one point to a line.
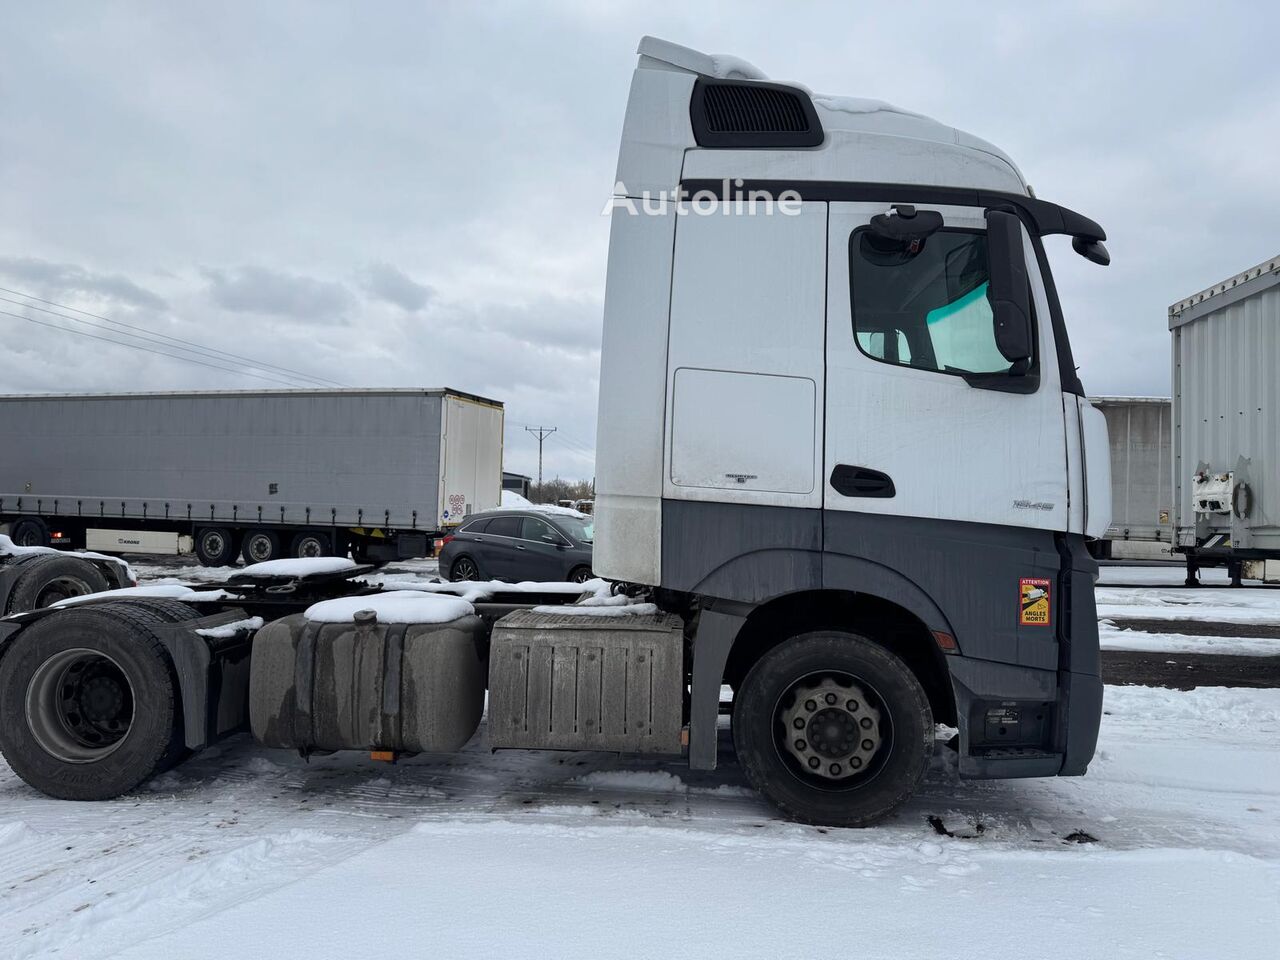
x=833, y=729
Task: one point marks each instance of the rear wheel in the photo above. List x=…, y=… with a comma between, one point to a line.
x=29, y=532
x=464, y=568
x=215, y=547
x=43, y=581
x=89, y=703
x=833, y=729
x=580, y=575
x=260, y=546
x=311, y=544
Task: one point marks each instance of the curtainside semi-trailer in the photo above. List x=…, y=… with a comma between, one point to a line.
x=845, y=467
x=261, y=474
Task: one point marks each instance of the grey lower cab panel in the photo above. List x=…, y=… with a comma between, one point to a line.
x=412, y=688
x=572, y=682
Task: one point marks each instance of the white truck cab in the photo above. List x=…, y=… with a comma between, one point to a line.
x=838, y=396
x=845, y=467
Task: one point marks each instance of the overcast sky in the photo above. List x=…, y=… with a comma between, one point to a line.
x=410, y=194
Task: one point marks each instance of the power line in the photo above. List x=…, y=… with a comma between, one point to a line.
x=138, y=346
x=181, y=343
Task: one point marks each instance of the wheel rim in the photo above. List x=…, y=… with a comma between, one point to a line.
x=260, y=548
x=62, y=588
x=214, y=544
x=310, y=547
x=79, y=706
x=581, y=576
x=465, y=570
x=832, y=730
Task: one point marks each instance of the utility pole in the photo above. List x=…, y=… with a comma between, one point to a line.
x=541, y=433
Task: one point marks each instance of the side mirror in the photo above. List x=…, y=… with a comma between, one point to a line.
x=1092, y=250
x=1009, y=291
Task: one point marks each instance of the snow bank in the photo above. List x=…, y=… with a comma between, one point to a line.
x=395, y=606
x=1112, y=637
x=229, y=630
x=513, y=501
x=297, y=567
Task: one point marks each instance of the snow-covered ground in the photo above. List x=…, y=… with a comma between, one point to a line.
x=1170, y=847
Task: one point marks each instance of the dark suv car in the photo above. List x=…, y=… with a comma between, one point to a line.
x=517, y=545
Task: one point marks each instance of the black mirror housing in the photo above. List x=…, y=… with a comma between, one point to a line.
x=1095, y=251
x=1009, y=291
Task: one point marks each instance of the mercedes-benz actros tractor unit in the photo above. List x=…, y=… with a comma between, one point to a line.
x=845, y=468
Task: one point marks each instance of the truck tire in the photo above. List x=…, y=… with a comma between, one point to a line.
x=89, y=705
x=833, y=729
x=215, y=547
x=45, y=580
x=260, y=546
x=311, y=543
x=29, y=532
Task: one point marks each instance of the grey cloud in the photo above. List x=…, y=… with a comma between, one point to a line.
x=259, y=290
x=385, y=282
x=62, y=279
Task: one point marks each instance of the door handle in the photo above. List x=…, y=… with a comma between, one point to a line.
x=851, y=481
x=518, y=547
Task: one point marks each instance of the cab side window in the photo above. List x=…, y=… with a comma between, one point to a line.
x=924, y=305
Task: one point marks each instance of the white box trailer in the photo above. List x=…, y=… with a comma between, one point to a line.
x=1226, y=431
x=264, y=473
x=1141, y=443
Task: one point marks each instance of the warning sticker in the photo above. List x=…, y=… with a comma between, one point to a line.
x=1033, y=601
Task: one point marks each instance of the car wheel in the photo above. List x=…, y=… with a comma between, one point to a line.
x=833, y=729
x=580, y=575
x=464, y=568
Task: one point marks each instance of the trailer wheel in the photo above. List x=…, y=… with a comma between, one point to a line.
x=215, y=547
x=89, y=702
x=308, y=544
x=260, y=546
x=833, y=729
x=29, y=532
x=43, y=581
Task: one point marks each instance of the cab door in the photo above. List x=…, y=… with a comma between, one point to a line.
x=920, y=421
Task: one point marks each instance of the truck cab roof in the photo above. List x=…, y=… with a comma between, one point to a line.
x=861, y=140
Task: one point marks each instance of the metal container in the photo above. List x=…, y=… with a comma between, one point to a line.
x=1226, y=414
x=572, y=682
x=1141, y=475
x=402, y=688
x=410, y=459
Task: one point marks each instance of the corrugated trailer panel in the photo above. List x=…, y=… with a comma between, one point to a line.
x=350, y=457
x=471, y=478
x=1141, y=473
x=1226, y=359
